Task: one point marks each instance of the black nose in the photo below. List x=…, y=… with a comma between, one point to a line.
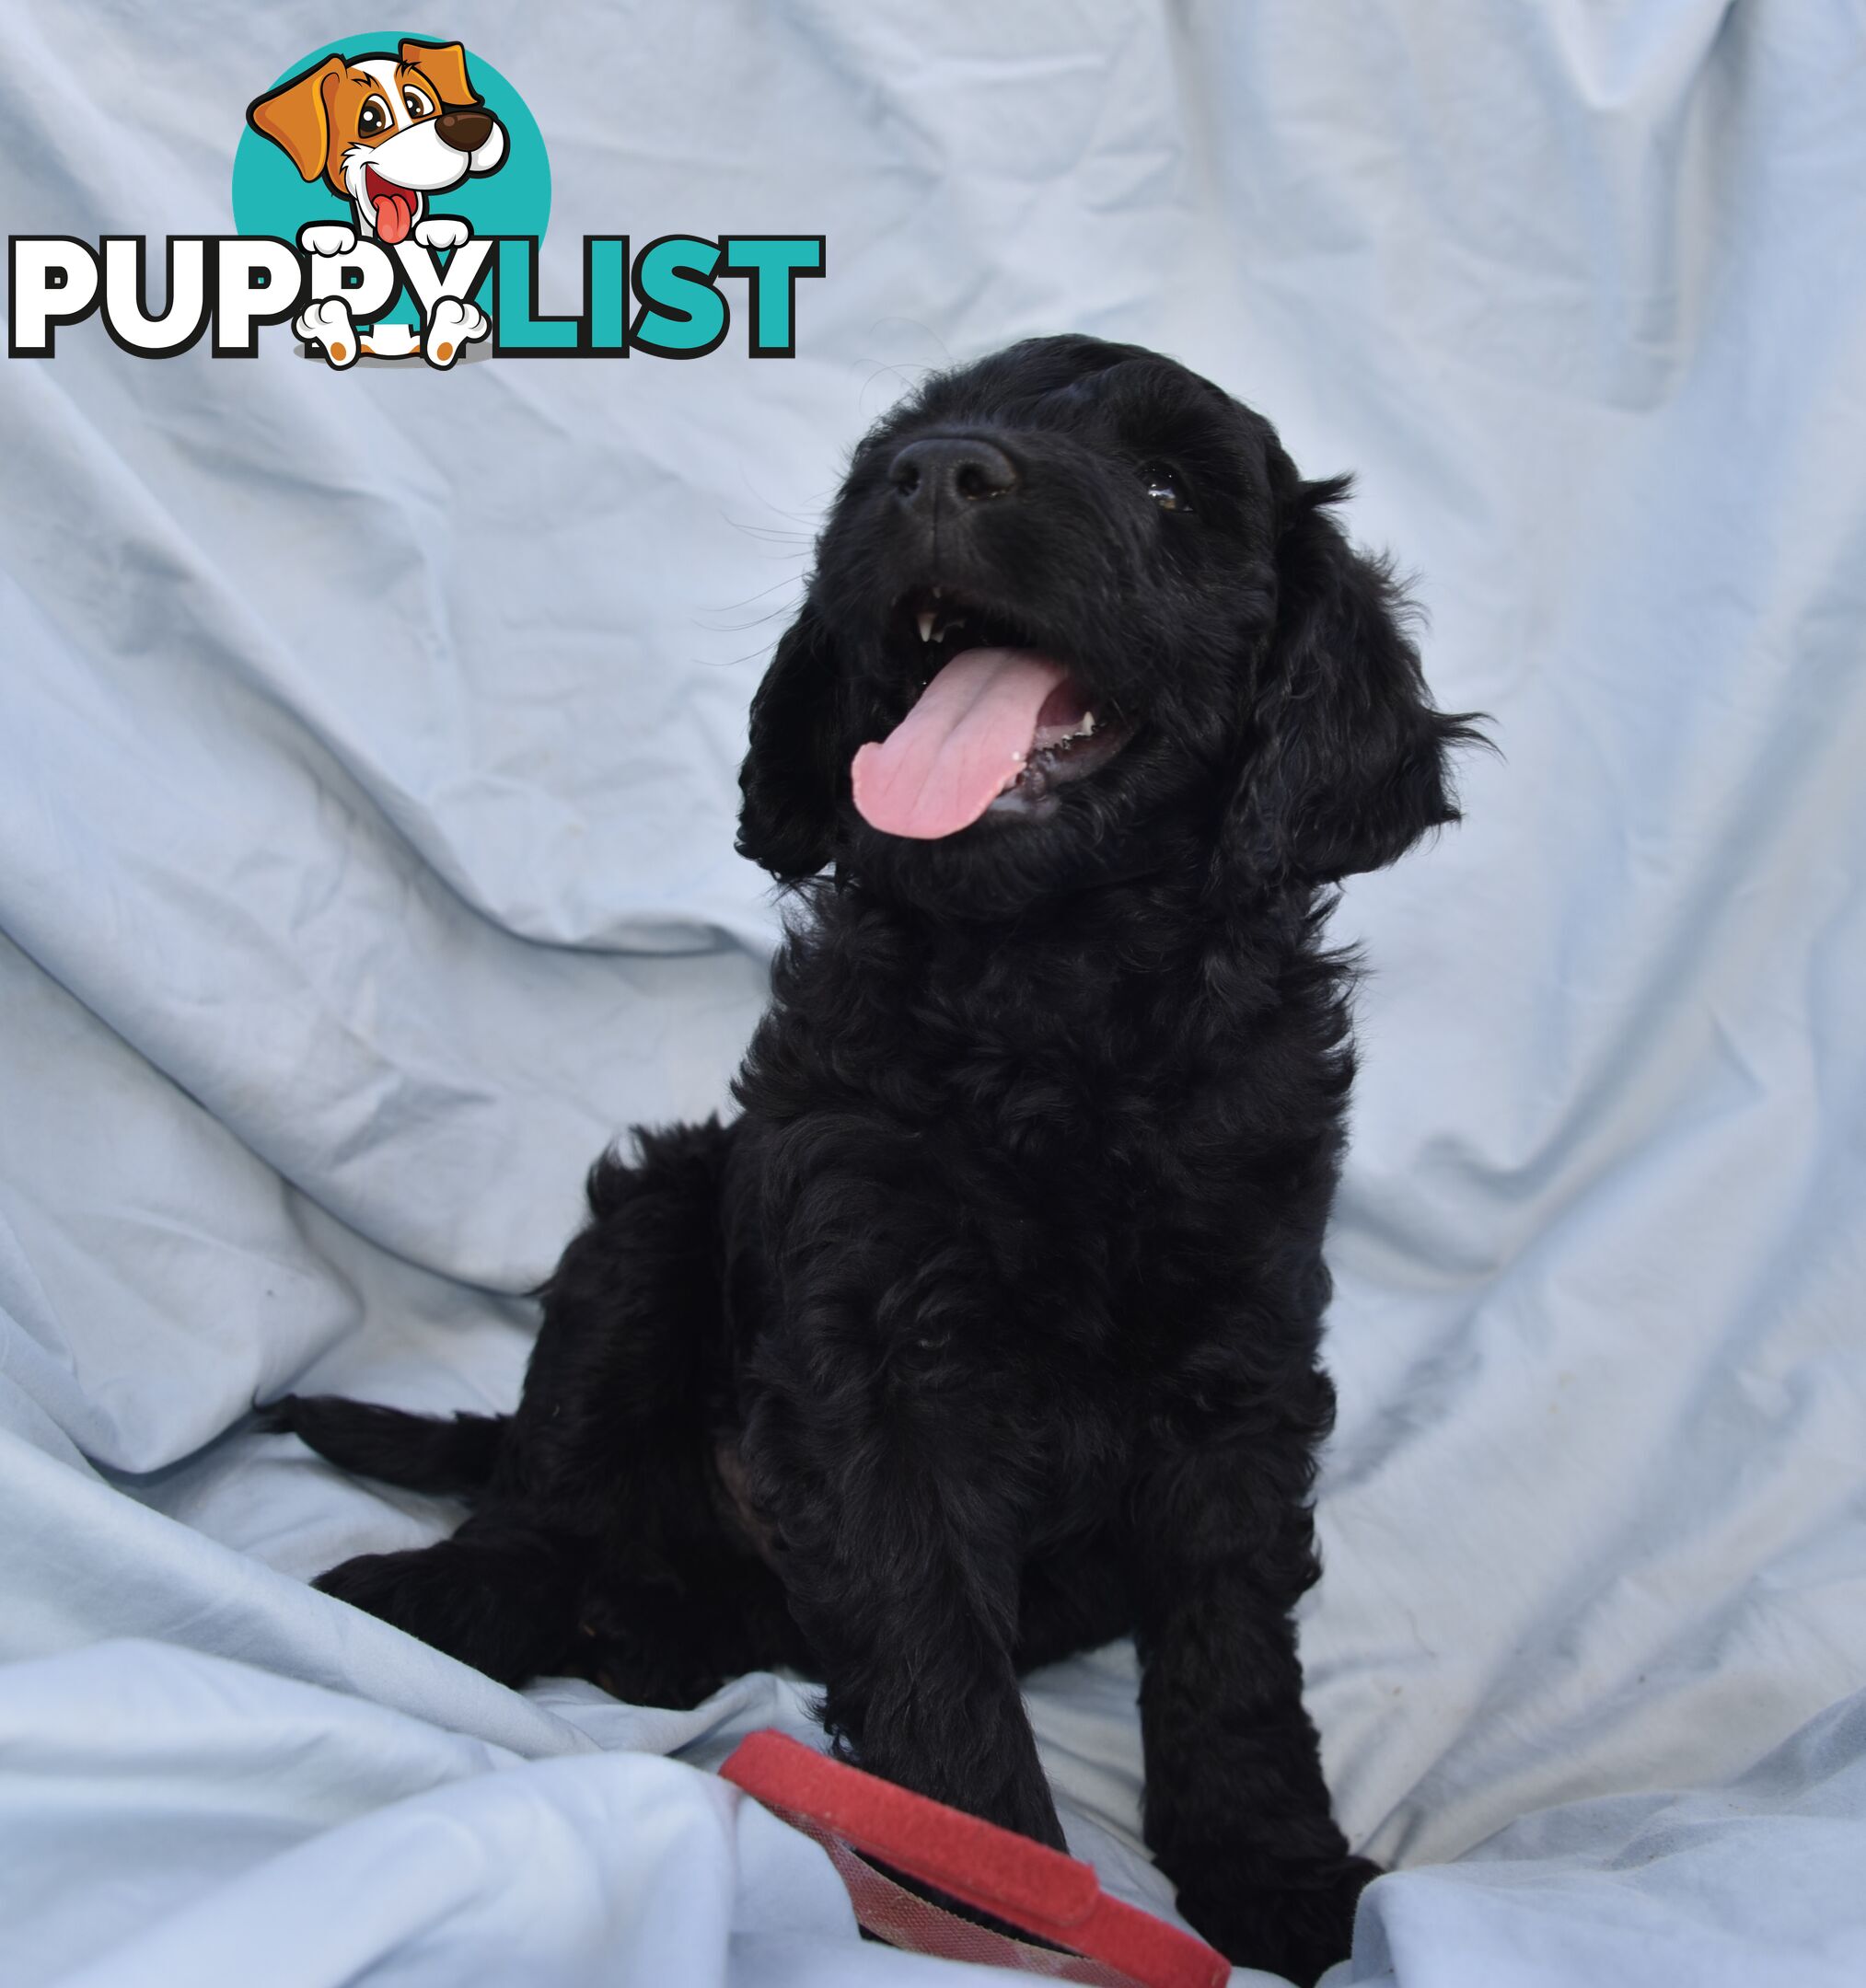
x=946, y=471
x=466, y=131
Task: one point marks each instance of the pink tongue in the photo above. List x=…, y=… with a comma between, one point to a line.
x=394, y=211
x=959, y=747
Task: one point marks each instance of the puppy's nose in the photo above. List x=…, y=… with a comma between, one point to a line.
x=945, y=472
x=466, y=131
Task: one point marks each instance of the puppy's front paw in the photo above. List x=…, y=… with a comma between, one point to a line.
x=452, y=325
x=326, y=237
x=1298, y=1927
x=326, y=323
x=442, y=231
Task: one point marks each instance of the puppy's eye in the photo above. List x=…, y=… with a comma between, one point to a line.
x=372, y=118
x=416, y=101
x=1164, y=487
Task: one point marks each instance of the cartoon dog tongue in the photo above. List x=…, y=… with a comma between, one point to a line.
x=959, y=747
x=394, y=208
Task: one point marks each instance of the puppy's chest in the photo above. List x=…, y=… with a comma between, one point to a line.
x=1094, y=1132
x=1088, y=1125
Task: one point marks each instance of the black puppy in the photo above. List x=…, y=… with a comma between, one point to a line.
x=988, y=1330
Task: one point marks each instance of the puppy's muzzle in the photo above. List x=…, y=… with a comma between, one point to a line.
x=464, y=131
x=942, y=474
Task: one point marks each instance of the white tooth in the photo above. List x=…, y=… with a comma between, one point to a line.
x=925, y=622
x=1087, y=726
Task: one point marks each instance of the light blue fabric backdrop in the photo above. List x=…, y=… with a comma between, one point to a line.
x=366, y=755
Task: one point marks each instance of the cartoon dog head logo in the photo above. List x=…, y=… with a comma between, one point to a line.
x=385, y=132
x=382, y=136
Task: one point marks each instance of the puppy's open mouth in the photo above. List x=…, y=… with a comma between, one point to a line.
x=998, y=726
x=394, y=205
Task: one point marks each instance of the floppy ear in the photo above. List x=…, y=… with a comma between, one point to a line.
x=792, y=778
x=296, y=119
x=1347, y=766
x=444, y=63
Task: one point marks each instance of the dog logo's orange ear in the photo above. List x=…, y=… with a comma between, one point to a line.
x=297, y=118
x=444, y=63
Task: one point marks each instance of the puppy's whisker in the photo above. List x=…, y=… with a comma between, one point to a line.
x=770, y=532
x=790, y=580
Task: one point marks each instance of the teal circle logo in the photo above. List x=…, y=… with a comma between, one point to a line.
x=401, y=99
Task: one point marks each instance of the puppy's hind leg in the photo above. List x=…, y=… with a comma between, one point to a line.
x=599, y=1490
x=616, y=1436
x=675, y=1642
x=500, y=1595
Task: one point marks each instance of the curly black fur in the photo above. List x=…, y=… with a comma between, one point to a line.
x=988, y=1330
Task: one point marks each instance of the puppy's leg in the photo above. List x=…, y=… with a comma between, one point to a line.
x=600, y=1487
x=1236, y=1811
x=901, y=1561
x=667, y=1643
x=500, y=1595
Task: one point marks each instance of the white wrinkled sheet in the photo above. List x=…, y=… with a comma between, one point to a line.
x=367, y=753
